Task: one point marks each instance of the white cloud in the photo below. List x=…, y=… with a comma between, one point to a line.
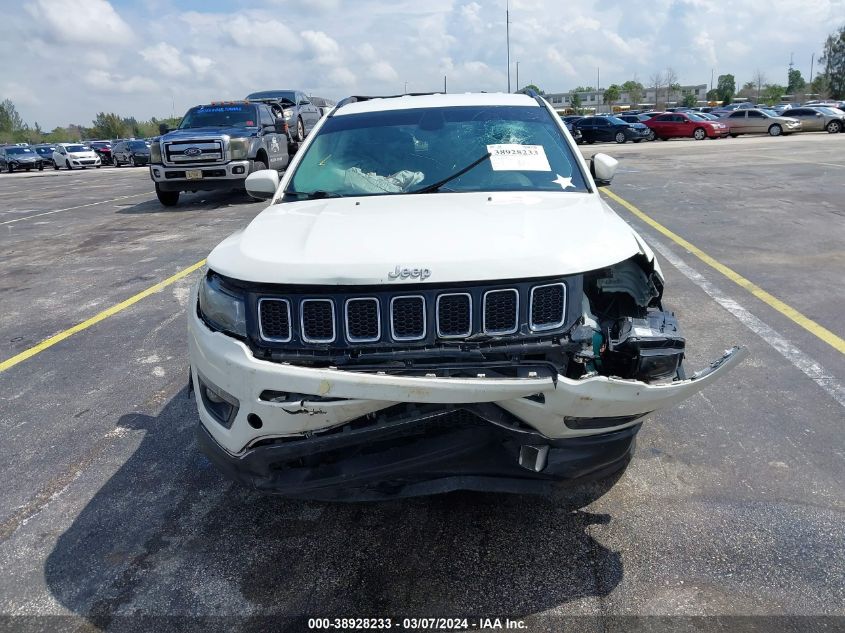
x=342, y=77
x=324, y=49
x=81, y=21
x=108, y=82
x=383, y=72
x=166, y=59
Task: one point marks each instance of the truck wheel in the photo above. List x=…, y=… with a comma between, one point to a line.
x=259, y=164
x=167, y=198
x=300, y=131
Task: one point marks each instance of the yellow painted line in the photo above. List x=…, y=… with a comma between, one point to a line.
x=81, y=206
x=102, y=316
x=788, y=311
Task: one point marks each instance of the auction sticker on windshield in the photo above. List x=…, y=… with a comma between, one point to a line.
x=513, y=157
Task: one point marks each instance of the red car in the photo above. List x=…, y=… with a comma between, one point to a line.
x=685, y=124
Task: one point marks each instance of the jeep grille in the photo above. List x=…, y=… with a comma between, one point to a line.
x=305, y=317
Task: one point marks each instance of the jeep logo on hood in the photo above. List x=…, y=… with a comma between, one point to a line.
x=409, y=273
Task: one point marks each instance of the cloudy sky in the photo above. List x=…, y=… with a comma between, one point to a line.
x=66, y=60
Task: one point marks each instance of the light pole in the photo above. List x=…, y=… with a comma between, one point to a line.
x=508, y=40
x=517, y=76
x=406, y=88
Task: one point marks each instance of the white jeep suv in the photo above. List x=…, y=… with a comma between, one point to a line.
x=436, y=298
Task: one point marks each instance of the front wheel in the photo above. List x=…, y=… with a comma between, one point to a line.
x=114, y=161
x=775, y=130
x=300, y=131
x=56, y=166
x=41, y=167
x=167, y=198
x=734, y=135
x=651, y=136
x=69, y=166
x=10, y=168
x=620, y=137
x=132, y=161
x=834, y=127
x=699, y=134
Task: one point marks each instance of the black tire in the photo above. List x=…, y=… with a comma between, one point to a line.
x=167, y=198
x=10, y=168
x=114, y=161
x=620, y=138
x=775, y=130
x=41, y=167
x=732, y=135
x=699, y=134
x=300, y=130
x=68, y=165
x=132, y=162
x=834, y=127
x=56, y=166
x=259, y=164
x=651, y=135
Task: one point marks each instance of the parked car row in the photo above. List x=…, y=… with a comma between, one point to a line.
x=687, y=123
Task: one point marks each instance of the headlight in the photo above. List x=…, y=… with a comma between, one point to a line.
x=239, y=148
x=288, y=114
x=155, y=153
x=223, y=309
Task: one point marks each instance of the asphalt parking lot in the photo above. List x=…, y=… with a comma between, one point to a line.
x=733, y=505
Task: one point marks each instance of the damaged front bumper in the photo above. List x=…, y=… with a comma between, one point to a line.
x=339, y=427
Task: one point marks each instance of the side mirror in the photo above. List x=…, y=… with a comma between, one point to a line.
x=603, y=169
x=162, y=128
x=281, y=127
x=262, y=184
x=818, y=114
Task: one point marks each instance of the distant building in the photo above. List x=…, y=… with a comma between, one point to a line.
x=593, y=101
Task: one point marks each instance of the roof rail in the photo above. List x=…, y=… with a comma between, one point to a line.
x=357, y=98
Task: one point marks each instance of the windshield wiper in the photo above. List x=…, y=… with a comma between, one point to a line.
x=314, y=195
x=435, y=186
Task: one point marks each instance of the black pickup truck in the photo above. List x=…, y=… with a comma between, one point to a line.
x=216, y=146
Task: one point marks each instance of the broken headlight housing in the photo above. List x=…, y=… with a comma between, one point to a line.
x=221, y=307
x=648, y=349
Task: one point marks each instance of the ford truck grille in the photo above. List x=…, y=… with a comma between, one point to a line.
x=200, y=151
x=419, y=315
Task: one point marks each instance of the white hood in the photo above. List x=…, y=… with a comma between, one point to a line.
x=456, y=236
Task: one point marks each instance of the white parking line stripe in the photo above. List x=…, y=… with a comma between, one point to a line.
x=81, y=206
x=813, y=370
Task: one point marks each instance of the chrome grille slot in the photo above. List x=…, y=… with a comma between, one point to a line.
x=454, y=315
x=501, y=311
x=548, y=307
x=274, y=320
x=407, y=318
x=196, y=151
x=318, y=320
x=363, y=320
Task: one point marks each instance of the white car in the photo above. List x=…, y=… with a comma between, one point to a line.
x=75, y=156
x=436, y=298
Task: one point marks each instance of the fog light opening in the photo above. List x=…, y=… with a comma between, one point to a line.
x=237, y=170
x=254, y=421
x=222, y=406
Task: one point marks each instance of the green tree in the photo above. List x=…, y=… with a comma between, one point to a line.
x=712, y=95
x=772, y=93
x=611, y=94
x=820, y=86
x=109, y=126
x=576, y=102
x=533, y=87
x=635, y=91
x=689, y=100
x=796, y=82
x=583, y=89
x=833, y=59
x=726, y=88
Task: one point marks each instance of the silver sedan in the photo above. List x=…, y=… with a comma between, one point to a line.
x=818, y=118
x=753, y=121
